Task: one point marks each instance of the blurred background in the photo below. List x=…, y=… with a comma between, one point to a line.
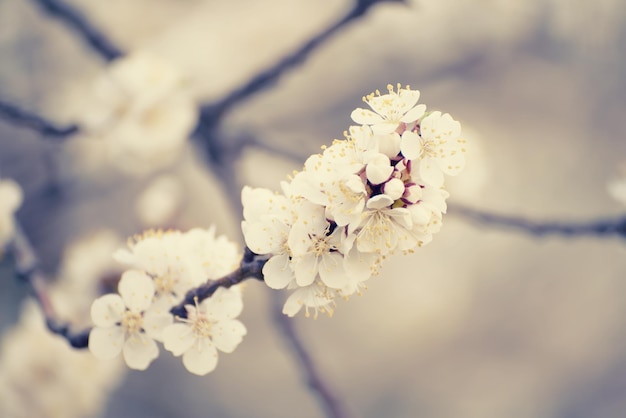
x=482, y=322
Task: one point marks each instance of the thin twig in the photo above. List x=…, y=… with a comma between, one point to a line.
x=331, y=404
x=251, y=268
x=76, y=21
x=21, y=117
x=27, y=269
x=267, y=77
x=599, y=228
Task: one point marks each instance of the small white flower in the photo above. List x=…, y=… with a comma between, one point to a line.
x=390, y=110
x=10, y=200
x=315, y=250
x=160, y=202
x=267, y=221
x=383, y=227
x=316, y=296
x=124, y=323
x=163, y=256
x=210, y=326
x=141, y=110
x=438, y=147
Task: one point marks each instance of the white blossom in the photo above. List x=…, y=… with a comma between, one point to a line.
x=390, y=110
x=141, y=110
x=40, y=376
x=437, y=145
x=160, y=202
x=10, y=200
x=124, y=324
x=377, y=192
x=267, y=222
x=210, y=326
x=164, y=257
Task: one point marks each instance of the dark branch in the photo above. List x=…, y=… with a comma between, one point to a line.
x=35, y=122
x=600, y=228
x=214, y=111
x=332, y=405
x=27, y=269
x=79, y=24
x=251, y=268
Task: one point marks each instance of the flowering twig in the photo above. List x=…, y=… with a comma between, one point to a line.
x=35, y=122
x=213, y=112
x=77, y=22
x=602, y=227
x=27, y=269
x=251, y=268
x=331, y=404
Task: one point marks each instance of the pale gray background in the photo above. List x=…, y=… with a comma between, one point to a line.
x=481, y=323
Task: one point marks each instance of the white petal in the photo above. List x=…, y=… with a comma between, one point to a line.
x=11, y=195
x=227, y=335
x=452, y=163
x=124, y=256
x=178, y=338
x=154, y=323
x=137, y=290
x=277, y=272
x=359, y=266
x=389, y=144
x=201, y=358
x=385, y=127
x=306, y=269
x=331, y=270
x=379, y=202
x=107, y=310
x=106, y=343
x=414, y=114
x=394, y=188
x=430, y=172
x=411, y=145
x=223, y=304
x=378, y=169
x=293, y=305
x=365, y=116
x=139, y=351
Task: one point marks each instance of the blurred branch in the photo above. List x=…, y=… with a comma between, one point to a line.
x=251, y=141
x=331, y=404
x=214, y=111
x=79, y=24
x=20, y=117
x=27, y=269
x=251, y=267
x=600, y=228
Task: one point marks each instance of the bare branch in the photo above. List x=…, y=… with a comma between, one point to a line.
x=76, y=21
x=251, y=267
x=599, y=228
x=20, y=117
x=214, y=111
x=331, y=404
x=27, y=269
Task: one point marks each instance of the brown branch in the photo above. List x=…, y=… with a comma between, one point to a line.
x=76, y=21
x=212, y=112
x=27, y=269
x=598, y=228
x=332, y=405
x=251, y=268
x=21, y=117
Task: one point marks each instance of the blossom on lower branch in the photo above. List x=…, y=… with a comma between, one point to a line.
x=165, y=265
x=125, y=324
x=379, y=191
x=210, y=326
